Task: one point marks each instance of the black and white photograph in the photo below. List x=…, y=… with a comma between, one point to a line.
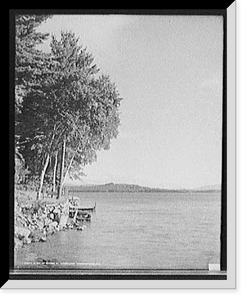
x=120, y=145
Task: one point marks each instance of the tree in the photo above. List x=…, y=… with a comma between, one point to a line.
x=72, y=103
x=29, y=72
x=90, y=103
x=28, y=59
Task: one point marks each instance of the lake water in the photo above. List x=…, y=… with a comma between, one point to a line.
x=136, y=230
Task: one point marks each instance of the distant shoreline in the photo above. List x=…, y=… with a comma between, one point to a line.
x=130, y=188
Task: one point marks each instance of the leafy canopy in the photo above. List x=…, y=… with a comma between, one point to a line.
x=68, y=99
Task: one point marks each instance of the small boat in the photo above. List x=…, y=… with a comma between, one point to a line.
x=83, y=216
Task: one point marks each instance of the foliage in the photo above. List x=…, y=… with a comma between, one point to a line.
x=65, y=98
x=28, y=60
x=20, y=170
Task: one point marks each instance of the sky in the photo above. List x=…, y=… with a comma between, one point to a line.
x=168, y=70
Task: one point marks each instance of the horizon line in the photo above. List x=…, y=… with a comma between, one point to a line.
x=211, y=186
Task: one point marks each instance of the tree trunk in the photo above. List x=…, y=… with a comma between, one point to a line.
x=54, y=174
x=61, y=170
x=68, y=168
x=42, y=176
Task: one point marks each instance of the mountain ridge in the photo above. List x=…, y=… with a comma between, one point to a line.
x=123, y=187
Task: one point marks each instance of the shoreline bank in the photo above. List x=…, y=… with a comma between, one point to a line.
x=35, y=220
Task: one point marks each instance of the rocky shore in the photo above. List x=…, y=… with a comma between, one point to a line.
x=35, y=221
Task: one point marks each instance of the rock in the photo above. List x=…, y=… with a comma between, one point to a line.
x=19, y=222
x=51, y=216
x=34, y=223
x=57, y=217
x=43, y=217
x=71, y=226
x=18, y=243
x=31, y=227
x=26, y=241
x=36, y=236
x=47, y=221
x=63, y=221
x=22, y=232
x=54, y=224
x=52, y=227
x=56, y=210
x=45, y=211
x=40, y=212
x=43, y=238
x=40, y=224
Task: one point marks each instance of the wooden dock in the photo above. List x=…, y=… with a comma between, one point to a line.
x=73, y=208
x=78, y=214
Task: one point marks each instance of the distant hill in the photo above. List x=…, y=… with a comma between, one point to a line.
x=131, y=188
x=112, y=187
x=215, y=187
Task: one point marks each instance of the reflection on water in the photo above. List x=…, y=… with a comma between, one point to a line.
x=131, y=230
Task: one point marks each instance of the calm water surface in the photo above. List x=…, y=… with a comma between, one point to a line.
x=137, y=230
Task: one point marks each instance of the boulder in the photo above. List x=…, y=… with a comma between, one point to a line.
x=40, y=224
x=22, y=232
x=43, y=238
x=63, y=221
x=56, y=210
x=26, y=241
x=53, y=224
x=52, y=227
x=47, y=221
x=19, y=222
x=36, y=236
x=51, y=216
x=57, y=217
x=31, y=227
x=40, y=212
x=18, y=243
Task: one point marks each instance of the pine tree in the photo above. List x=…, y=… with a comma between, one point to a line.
x=29, y=71
x=89, y=103
x=72, y=105
x=28, y=59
